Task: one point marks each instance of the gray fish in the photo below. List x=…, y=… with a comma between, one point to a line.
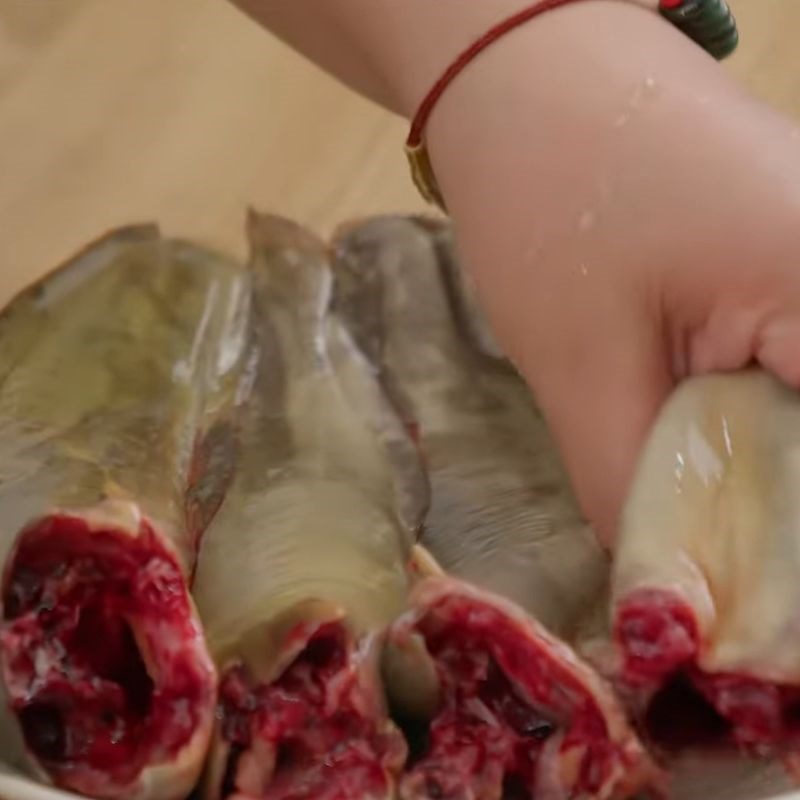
x=118, y=376
x=303, y=567
x=511, y=704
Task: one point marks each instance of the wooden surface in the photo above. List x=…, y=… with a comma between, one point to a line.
x=184, y=112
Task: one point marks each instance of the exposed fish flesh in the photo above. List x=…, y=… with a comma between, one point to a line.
x=112, y=369
x=514, y=711
x=304, y=565
x=706, y=585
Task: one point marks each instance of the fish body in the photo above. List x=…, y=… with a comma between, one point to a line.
x=502, y=513
x=514, y=567
x=112, y=370
x=304, y=566
x=706, y=582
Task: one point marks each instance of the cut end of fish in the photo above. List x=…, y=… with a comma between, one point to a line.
x=519, y=715
x=102, y=657
x=318, y=730
x=681, y=703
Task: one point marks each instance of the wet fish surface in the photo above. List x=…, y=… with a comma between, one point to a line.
x=304, y=566
x=112, y=369
x=706, y=582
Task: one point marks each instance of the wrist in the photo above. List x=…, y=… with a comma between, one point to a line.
x=428, y=36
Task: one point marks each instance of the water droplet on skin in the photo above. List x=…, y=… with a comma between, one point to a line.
x=582, y=268
x=586, y=221
x=533, y=253
x=638, y=95
x=647, y=88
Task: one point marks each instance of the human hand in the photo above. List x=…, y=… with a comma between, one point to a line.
x=630, y=218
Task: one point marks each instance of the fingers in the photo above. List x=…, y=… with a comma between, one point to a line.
x=779, y=350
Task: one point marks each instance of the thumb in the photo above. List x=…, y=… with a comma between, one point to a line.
x=600, y=399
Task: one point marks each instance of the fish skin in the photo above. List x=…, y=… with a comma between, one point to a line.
x=721, y=467
x=706, y=578
x=503, y=530
x=322, y=512
x=106, y=383
x=502, y=513
x=117, y=400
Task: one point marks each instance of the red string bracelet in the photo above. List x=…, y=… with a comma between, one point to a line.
x=419, y=161
x=692, y=16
